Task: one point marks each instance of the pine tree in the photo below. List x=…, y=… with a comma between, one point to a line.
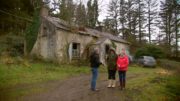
x=134, y=22
x=111, y=22
x=92, y=13
x=141, y=20
x=14, y=14
x=109, y=26
x=89, y=13
x=122, y=19
x=67, y=10
x=169, y=18
x=151, y=16
x=96, y=12
x=81, y=15
x=129, y=17
x=166, y=18
x=62, y=14
x=176, y=12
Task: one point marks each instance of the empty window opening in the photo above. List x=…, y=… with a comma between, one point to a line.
x=76, y=50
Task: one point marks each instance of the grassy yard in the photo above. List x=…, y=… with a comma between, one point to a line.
x=144, y=84
x=12, y=75
x=153, y=84
x=18, y=79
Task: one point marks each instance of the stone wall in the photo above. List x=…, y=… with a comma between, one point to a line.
x=53, y=44
x=121, y=46
x=63, y=40
x=45, y=43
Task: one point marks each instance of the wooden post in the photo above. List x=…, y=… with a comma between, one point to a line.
x=25, y=47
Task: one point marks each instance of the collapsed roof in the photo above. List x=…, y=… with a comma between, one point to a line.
x=61, y=24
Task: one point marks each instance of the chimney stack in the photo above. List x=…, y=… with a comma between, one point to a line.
x=44, y=9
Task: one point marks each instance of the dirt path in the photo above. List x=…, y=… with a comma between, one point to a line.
x=77, y=89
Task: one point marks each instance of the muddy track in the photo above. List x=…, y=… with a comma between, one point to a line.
x=78, y=89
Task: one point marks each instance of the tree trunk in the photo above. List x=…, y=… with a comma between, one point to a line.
x=149, y=21
x=176, y=32
x=129, y=16
x=25, y=48
x=122, y=17
x=169, y=29
x=139, y=20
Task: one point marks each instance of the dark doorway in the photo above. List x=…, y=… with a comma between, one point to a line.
x=75, y=50
x=107, y=47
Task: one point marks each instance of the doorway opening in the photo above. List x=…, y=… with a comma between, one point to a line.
x=75, y=50
x=107, y=47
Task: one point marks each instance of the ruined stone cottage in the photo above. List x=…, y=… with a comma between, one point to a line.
x=62, y=42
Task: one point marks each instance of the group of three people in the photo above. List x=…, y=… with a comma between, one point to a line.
x=114, y=63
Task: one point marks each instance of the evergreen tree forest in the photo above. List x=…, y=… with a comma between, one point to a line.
x=141, y=22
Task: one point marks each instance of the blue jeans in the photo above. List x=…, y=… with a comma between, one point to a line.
x=94, y=78
x=122, y=76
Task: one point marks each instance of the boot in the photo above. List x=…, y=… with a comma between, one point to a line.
x=109, y=83
x=121, y=85
x=114, y=83
x=124, y=84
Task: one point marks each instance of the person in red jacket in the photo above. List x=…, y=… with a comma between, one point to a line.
x=122, y=67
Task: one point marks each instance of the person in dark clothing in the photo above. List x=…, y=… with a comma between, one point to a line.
x=111, y=67
x=95, y=63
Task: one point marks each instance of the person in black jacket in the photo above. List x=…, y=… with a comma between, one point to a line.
x=95, y=63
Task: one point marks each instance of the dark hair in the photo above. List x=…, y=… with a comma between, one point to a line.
x=111, y=50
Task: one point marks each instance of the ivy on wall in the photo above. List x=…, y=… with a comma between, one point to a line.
x=32, y=32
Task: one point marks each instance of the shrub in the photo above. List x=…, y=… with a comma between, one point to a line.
x=150, y=50
x=173, y=81
x=169, y=64
x=12, y=44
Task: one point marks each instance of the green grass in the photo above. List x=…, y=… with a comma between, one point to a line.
x=11, y=75
x=143, y=84
x=148, y=85
x=16, y=78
